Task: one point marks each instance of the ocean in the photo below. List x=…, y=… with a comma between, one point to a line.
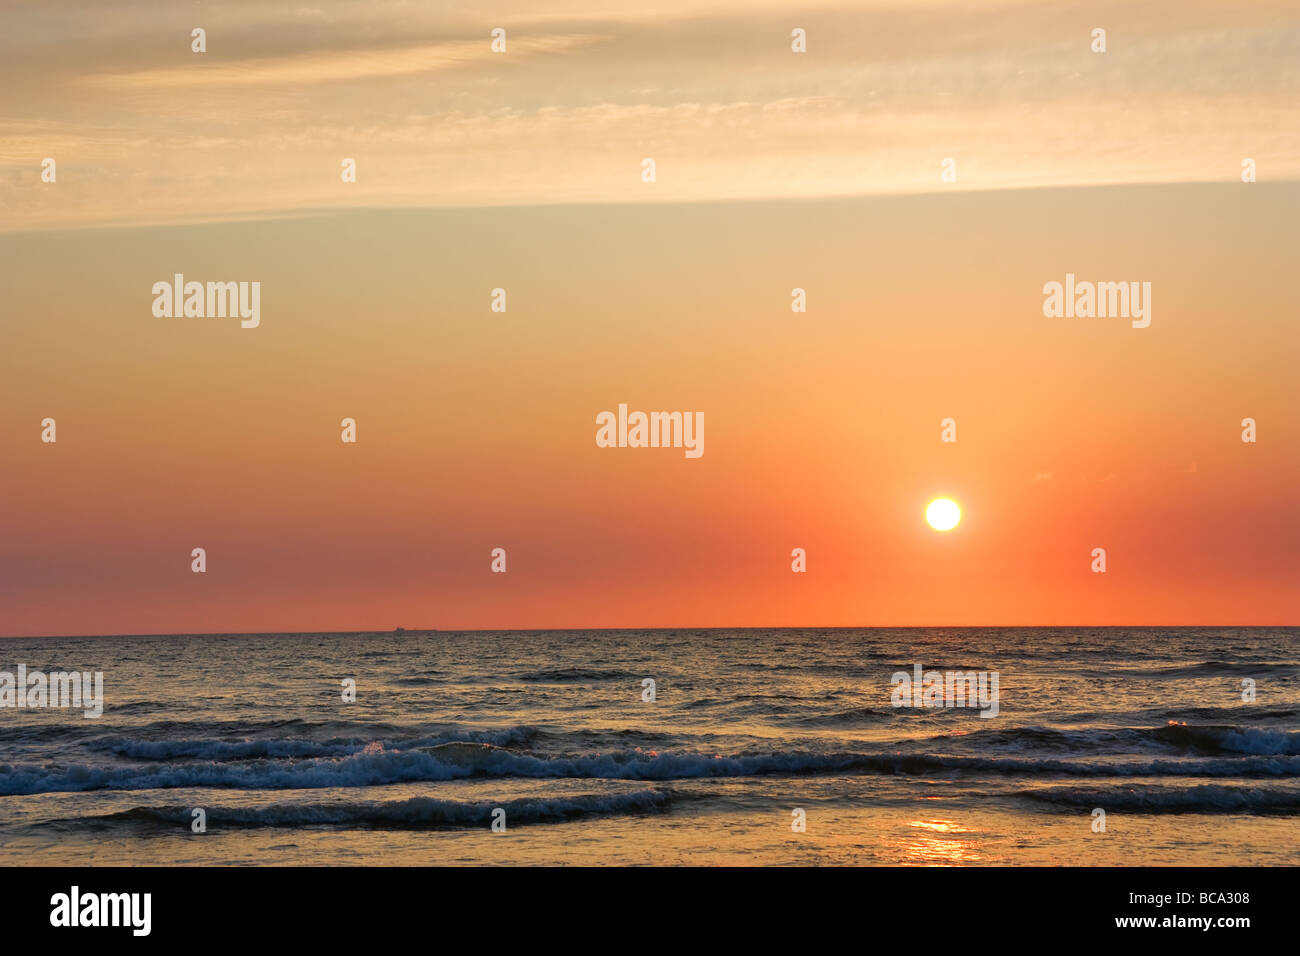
x=1109, y=746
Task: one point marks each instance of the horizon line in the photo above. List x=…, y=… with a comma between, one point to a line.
x=410, y=632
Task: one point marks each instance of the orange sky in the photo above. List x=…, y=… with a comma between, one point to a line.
x=476, y=430
x=522, y=170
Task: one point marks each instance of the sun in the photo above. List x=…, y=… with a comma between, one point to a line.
x=943, y=514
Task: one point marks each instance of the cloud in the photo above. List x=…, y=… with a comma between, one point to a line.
x=331, y=65
x=144, y=131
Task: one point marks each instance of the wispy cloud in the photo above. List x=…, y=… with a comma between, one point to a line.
x=330, y=65
x=145, y=131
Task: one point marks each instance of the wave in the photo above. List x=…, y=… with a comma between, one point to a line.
x=1223, y=740
x=1202, y=669
x=1233, y=712
x=853, y=717
x=1203, y=739
x=775, y=703
x=375, y=766
x=568, y=675
x=414, y=813
x=1206, y=798
x=249, y=749
x=199, y=733
x=162, y=728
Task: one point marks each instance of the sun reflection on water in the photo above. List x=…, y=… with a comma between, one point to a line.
x=938, y=843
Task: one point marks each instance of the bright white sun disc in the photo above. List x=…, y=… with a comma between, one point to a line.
x=943, y=514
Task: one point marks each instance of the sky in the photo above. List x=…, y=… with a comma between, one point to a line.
x=523, y=171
